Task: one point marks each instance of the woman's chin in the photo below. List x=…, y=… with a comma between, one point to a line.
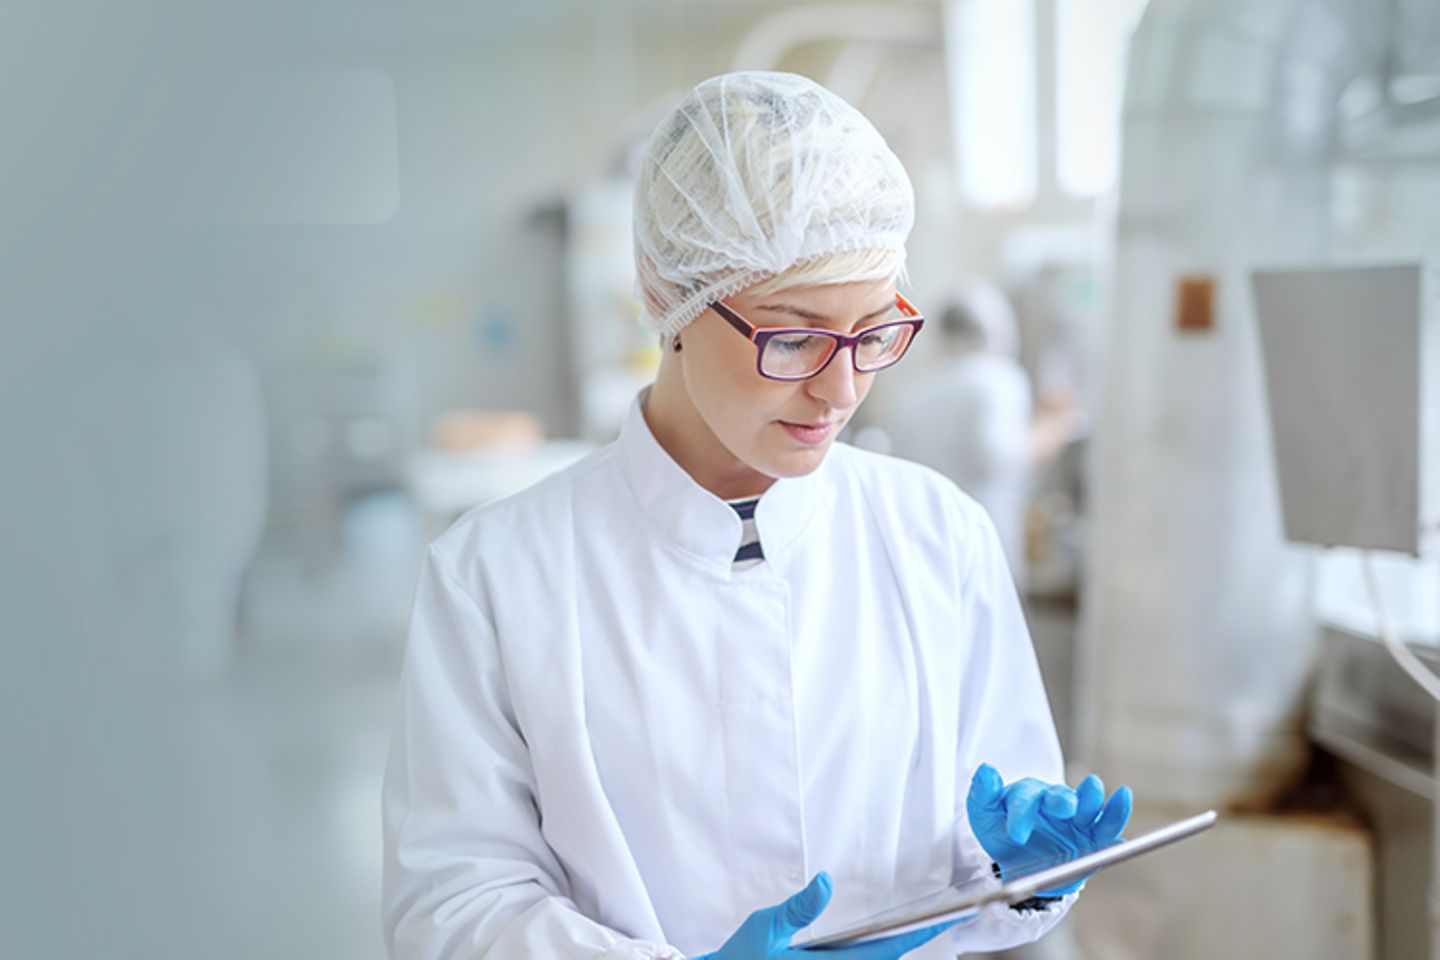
x=795, y=463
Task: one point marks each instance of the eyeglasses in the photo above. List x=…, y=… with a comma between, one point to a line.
x=799, y=353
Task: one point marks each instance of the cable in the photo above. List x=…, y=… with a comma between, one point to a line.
x=1410, y=663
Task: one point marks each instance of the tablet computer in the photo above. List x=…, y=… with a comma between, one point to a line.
x=968, y=899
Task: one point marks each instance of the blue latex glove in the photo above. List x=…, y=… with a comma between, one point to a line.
x=766, y=933
x=1032, y=824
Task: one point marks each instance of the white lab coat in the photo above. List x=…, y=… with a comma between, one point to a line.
x=610, y=745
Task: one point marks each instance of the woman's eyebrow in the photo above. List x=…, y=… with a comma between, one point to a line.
x=811, y=315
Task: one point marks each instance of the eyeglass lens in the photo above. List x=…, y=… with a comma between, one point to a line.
x=799, y=354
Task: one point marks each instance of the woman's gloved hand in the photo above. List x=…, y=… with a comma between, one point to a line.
x=1032, y=824
x=766, y=933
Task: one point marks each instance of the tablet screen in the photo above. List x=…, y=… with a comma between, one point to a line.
x=965, y=901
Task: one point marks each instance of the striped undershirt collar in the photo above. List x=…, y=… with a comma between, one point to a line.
x=693, y=518
x=750, y=554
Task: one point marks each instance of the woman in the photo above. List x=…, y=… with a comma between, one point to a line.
x=650, y=696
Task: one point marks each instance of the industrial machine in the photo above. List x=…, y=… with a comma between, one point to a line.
x=1352, y=375
x=1257, y=135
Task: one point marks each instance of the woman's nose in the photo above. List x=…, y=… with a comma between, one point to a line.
x=836, y=383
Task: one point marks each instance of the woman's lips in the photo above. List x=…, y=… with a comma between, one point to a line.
x=809, y=433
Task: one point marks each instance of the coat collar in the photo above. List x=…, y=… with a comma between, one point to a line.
x=698, y=521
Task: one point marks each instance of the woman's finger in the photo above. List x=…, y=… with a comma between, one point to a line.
x=1112, y=820
x=1060, y=803
x=1090, y=797
x=1022, y=809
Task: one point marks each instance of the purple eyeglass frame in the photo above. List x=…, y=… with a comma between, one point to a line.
x=760, y=336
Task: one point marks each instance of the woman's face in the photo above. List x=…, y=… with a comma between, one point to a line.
x=770, y=427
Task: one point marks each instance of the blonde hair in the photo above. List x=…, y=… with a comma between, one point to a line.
x=849, y=266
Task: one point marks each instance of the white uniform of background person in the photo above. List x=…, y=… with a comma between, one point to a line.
x=968, y=413
x=615, y=742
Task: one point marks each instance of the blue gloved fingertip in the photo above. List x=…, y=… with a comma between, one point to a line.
x=1060, y=801
x=986, y=785
x=818, y=889
x=1125, y=799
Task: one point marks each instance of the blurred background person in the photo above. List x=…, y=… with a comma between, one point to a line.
x=968, y=414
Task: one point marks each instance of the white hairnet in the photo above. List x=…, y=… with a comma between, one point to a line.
x=750, y=174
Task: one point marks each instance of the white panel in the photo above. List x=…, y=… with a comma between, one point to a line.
x=1343, y=355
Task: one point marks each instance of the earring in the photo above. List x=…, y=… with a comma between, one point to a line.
x=676, y=343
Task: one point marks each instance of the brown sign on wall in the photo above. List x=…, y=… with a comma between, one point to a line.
x=1195, y=303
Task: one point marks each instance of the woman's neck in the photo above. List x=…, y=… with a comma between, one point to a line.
x=682, y=433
